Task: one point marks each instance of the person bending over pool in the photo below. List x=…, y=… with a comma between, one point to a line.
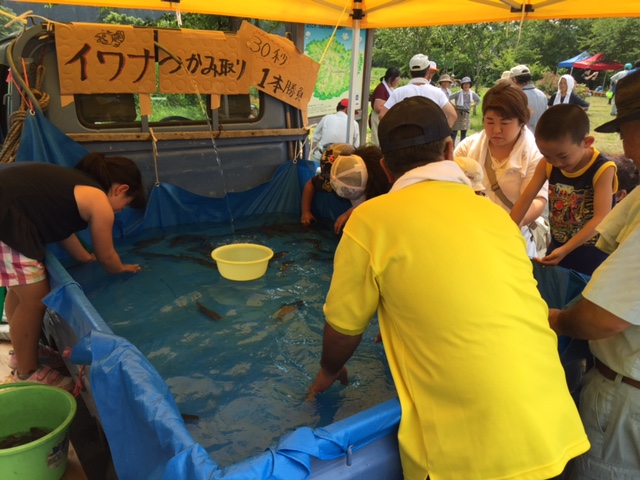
x=474, y=361
x=357, y=178
x=42, y=203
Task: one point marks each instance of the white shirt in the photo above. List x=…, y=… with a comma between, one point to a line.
x=417, y=87
x=332, y=129
x=613, y=285
x=513, y=174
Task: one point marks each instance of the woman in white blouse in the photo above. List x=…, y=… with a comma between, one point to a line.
x=507, y=151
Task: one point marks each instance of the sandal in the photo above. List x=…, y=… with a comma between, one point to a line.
x=47, y=376
x=46, y=356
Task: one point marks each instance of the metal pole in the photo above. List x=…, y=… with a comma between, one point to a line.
x=357, y=15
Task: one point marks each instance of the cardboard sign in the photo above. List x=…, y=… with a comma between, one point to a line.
x=277, y=67
x=95, y=58
x=202, y=62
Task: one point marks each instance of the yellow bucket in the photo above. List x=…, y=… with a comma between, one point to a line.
x=242, y=261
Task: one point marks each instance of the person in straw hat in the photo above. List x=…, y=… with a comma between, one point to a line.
x=608, y=315
x=464, y=100
x=445, y=82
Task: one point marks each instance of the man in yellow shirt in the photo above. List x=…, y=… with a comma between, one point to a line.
x=465, y=331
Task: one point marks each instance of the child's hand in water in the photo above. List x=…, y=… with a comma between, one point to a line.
x=307, y=218
x=131, y=268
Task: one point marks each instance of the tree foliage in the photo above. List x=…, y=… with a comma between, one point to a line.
x=484, y=50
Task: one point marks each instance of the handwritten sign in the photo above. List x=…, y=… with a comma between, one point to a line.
x=277, y=67
x=96, y=58
x=201, y=62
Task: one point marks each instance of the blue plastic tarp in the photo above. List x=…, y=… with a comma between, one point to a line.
x=569, y=62
x=146, y=434
x=42, y=141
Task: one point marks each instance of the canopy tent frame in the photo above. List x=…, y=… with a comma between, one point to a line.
x=370, y=14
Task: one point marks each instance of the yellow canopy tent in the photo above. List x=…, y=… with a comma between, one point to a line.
x=384, y=13
x=359, y=14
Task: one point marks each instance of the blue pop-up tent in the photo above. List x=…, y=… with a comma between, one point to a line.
x=569, y=62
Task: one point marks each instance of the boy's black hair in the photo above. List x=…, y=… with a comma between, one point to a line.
x=561, y=121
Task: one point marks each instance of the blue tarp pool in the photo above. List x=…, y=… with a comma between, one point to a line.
x=146, y=433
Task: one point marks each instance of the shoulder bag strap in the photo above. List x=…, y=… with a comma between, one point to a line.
x=491, y=175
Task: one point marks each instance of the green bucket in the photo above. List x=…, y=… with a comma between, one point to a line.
x=27, y=405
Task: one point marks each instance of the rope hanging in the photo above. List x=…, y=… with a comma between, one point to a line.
x=17, y=118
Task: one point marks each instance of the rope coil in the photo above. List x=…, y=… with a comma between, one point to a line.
x=17, y=118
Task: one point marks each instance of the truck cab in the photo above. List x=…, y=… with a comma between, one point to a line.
x=248, y=136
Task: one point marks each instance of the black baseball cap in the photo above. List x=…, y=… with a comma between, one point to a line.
x=417, y=111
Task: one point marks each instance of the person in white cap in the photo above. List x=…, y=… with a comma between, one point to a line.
x=357, y=178
x=608, y=315
x=433, y=69
x=419, y=86
x=521, y=76
x=332, y=129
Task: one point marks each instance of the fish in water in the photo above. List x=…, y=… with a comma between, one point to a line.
x=147, y=243
x=285, y=312
x=200, y=261
x=22, y=438
x=187, y=238
x=208, y=312
x=279, y=255
x=187, y=417
x=286, y=266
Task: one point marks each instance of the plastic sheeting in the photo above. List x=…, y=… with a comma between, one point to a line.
x=147, y=436
x=143, y=425
x=42, y=141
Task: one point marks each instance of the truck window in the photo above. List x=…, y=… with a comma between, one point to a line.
x=118, y=110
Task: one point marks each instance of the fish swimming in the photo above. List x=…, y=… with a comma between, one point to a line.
x=208, y=312
x=286, y=266
x=187, y=417
x=285, y=312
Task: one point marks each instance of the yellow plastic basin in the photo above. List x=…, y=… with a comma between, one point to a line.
x=242, y=261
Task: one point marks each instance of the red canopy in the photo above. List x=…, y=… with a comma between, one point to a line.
x=598, y=62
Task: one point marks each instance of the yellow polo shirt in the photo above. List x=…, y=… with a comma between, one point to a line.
x=465, y=331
